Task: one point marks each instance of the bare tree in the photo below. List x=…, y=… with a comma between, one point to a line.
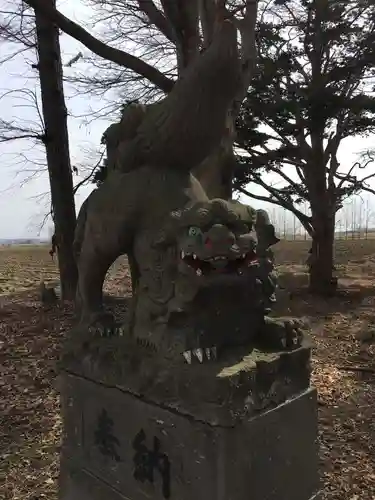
x=313, y=89
x=25, y=32
x=57, y=148
x=182, y=28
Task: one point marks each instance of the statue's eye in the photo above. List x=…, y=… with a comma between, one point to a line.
x=194, y=231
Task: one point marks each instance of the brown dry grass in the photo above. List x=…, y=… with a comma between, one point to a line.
x=30, y=340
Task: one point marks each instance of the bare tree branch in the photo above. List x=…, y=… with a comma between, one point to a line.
x=157, y=18
x=11, y=130
x=88, y=177
x=276, y=200
x=101, y=49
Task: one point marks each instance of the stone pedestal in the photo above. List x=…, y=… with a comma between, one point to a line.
x=240, y=429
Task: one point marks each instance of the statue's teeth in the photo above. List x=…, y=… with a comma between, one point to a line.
x=214, y=352
x=243, y=255
x=187, y=356
x=208, y=353
x=198, y=272
x=182, y=254
x=199, y=354
x=194, y=256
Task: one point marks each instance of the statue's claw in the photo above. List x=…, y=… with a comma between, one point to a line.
x=187, y=356
x=104, y=325
x=201, y=354
x=146, y=344
x=285, y=333
x=106, y=332
x=198, y=353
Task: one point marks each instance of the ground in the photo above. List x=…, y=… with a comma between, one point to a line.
x=30, y=340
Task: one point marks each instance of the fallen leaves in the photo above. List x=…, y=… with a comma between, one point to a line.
x=346, y=397
x=30, y=341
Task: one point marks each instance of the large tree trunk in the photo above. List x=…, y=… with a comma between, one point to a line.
x=183, y=16
x=215, y=173
x=57, y=149
x=323, y=211
x=322, y=281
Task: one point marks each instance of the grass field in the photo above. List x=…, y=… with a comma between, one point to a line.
x=343, y=370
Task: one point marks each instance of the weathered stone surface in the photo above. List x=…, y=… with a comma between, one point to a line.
x=268, y=457
x=213, y=391
x=228, y=430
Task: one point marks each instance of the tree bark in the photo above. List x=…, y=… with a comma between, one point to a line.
x=207, y=12
x=322, y=281
x=158, y=19
x=57, y=149
x=183, y=16
x=215, y=173
x=323, y=211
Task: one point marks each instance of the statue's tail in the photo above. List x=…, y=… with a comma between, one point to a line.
x=190, y=122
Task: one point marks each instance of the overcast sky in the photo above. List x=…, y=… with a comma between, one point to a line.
x=22, y=204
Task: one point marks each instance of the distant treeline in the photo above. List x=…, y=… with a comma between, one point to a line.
x=22, y=241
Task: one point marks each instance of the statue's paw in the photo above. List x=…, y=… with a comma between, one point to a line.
x=147, y=344
x=200, y=355
x=293, y=336
x=105, y=326
x=284, y=333
x=151, y=336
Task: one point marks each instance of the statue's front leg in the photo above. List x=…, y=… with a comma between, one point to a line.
x=93, y=265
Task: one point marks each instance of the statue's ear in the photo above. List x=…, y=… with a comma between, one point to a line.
x=261, y=218
x=266, y=235
x=270, y=230
x=163, y=239
x=168, y=234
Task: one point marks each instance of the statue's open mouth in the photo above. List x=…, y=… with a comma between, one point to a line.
x=219, y=263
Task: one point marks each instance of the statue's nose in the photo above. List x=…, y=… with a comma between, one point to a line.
x=219, y=237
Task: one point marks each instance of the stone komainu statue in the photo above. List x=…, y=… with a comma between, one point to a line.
x=199, y=393
x=191, y=257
